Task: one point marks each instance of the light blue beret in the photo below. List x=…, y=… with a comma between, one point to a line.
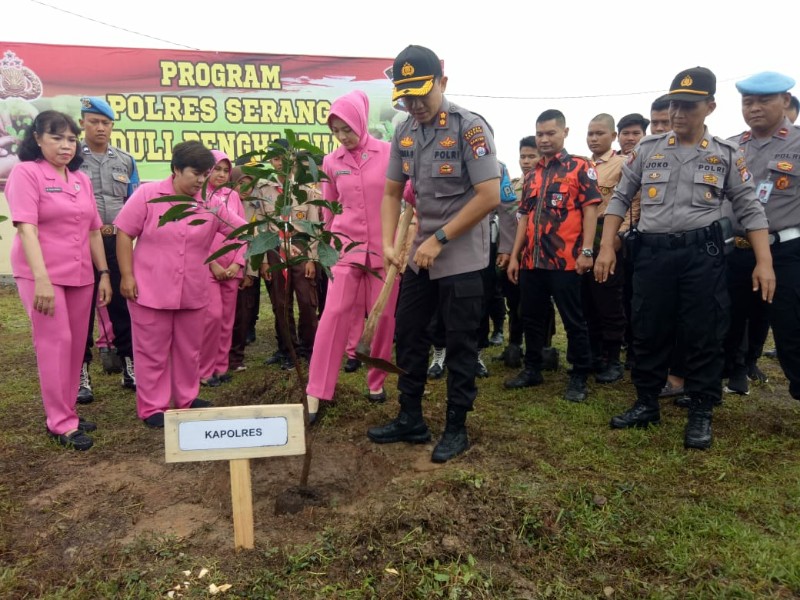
x=92, y=104
x=765, y=83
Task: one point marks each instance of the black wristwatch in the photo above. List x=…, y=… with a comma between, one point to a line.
x=441, y=236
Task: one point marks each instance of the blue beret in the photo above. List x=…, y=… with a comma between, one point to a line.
x=92, y=104
x=765, y=83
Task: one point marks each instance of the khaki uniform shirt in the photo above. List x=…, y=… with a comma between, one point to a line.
x=609, y=171
x=268, y=191
x=685, y=188
x=443, y=162
x=775, y=166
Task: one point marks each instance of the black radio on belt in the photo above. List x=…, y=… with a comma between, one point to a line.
x=722, y=234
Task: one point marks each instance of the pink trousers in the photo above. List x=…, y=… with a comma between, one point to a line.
x=338, y=320
x=166, y=344
x=59, y=342
x=218, y=328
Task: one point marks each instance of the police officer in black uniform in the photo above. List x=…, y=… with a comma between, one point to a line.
x=449, y=155
x=679, y=268
x=114, y=178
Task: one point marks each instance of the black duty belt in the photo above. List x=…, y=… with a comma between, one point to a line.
x=694, y=237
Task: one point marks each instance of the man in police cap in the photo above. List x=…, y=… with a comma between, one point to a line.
x=449, y=155
x=772, y=149
x=630, y=130
x=679, y=269
x=114, y=177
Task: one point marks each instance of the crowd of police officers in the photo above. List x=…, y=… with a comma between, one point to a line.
x=718, y=235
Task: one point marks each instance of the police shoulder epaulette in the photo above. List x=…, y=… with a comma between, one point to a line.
x=729, y=143
x=653, y=137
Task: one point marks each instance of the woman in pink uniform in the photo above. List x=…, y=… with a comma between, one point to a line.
x=225, y=275
x=58, y=237
x=165, y=280
x=357, y=173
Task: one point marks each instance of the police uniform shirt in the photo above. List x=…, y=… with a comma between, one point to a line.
x=683, y=188
x=444, y=164
x=775, y=165
x=114, y=178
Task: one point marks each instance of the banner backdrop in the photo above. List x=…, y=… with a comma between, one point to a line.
x=232, y=102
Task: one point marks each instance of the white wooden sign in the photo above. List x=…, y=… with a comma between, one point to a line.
x=235, y=434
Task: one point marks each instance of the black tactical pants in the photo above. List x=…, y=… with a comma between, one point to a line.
x=784, y=312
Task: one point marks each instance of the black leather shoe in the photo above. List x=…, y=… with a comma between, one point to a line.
x=755, y=374
x=549, y=359
x=480, y=367
x=76, y=440
x=496, y=339
x=276, y=358
x=639, y=415
x=738, y=384
x=212, y=381
x=200, y=403
x=404, y=428
x=86, y=426
x=771, y=353
x=613, y=372
x=225, y=378
x=454, y=441
x=682, y=401
x=155, y=421
x=698, y=429
x=287, y=364
x=525, y=378
x=352, y=365
x=378, y=398
x=576, y=388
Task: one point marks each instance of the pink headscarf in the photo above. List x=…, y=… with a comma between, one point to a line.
x=219, y=156
x=353, y=109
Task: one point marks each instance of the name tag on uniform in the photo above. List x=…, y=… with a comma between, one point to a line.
x=764, y=190
x=343, y=172
x=52, y=189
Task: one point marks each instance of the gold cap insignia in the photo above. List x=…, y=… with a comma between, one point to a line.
x=407, y=70
x=406, y=142
x=686, y=81
x=447, y=142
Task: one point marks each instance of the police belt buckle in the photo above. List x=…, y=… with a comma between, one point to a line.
x=108, y=230
x=676, y=240
x=742, y=243
x=784, y=235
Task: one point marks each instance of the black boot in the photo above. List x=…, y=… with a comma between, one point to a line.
x=549, y=359
x=454, y=440
x=644, y=412
x=526, y=378
x=698, y=426
x=409, y=426
x=613, y=369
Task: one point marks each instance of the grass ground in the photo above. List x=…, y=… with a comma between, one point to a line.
x=548, y=503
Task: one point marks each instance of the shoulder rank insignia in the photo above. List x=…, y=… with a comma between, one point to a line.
x=447, y=142
x=745, y=137
x=704, y=144
x=785, y=166
x=671, y=140
x=782, y=133
x=712, y=160
x=442, y=119
x=406, y=142
x=446, y=169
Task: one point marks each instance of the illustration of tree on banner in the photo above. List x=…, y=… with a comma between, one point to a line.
x=275, y=231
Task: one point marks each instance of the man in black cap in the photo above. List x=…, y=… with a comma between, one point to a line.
x=449, y=155
x=679, y=268
x=630, y=130
x=114, y=178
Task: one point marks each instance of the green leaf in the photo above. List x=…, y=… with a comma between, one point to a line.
x=327, y=255
x=222, y=251
x=175, y=198
x=176, y=213
x=248, y=228
x=195, y=222
x=263, y=243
